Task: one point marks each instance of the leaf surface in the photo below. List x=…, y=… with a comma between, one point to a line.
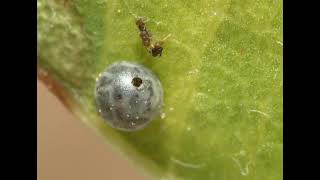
x=221, y=70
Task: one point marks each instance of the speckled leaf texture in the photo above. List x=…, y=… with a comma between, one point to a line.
x=221, y=71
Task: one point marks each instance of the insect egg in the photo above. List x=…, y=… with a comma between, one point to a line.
x=128, y=96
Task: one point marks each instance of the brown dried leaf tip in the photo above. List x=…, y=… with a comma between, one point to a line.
x=155, y=48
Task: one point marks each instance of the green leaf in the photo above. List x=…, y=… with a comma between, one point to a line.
x=221, y=70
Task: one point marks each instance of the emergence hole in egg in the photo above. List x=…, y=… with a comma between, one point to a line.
x=136, y=82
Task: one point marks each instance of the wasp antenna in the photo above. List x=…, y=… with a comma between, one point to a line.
x=165, y=38
x=135, y=16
